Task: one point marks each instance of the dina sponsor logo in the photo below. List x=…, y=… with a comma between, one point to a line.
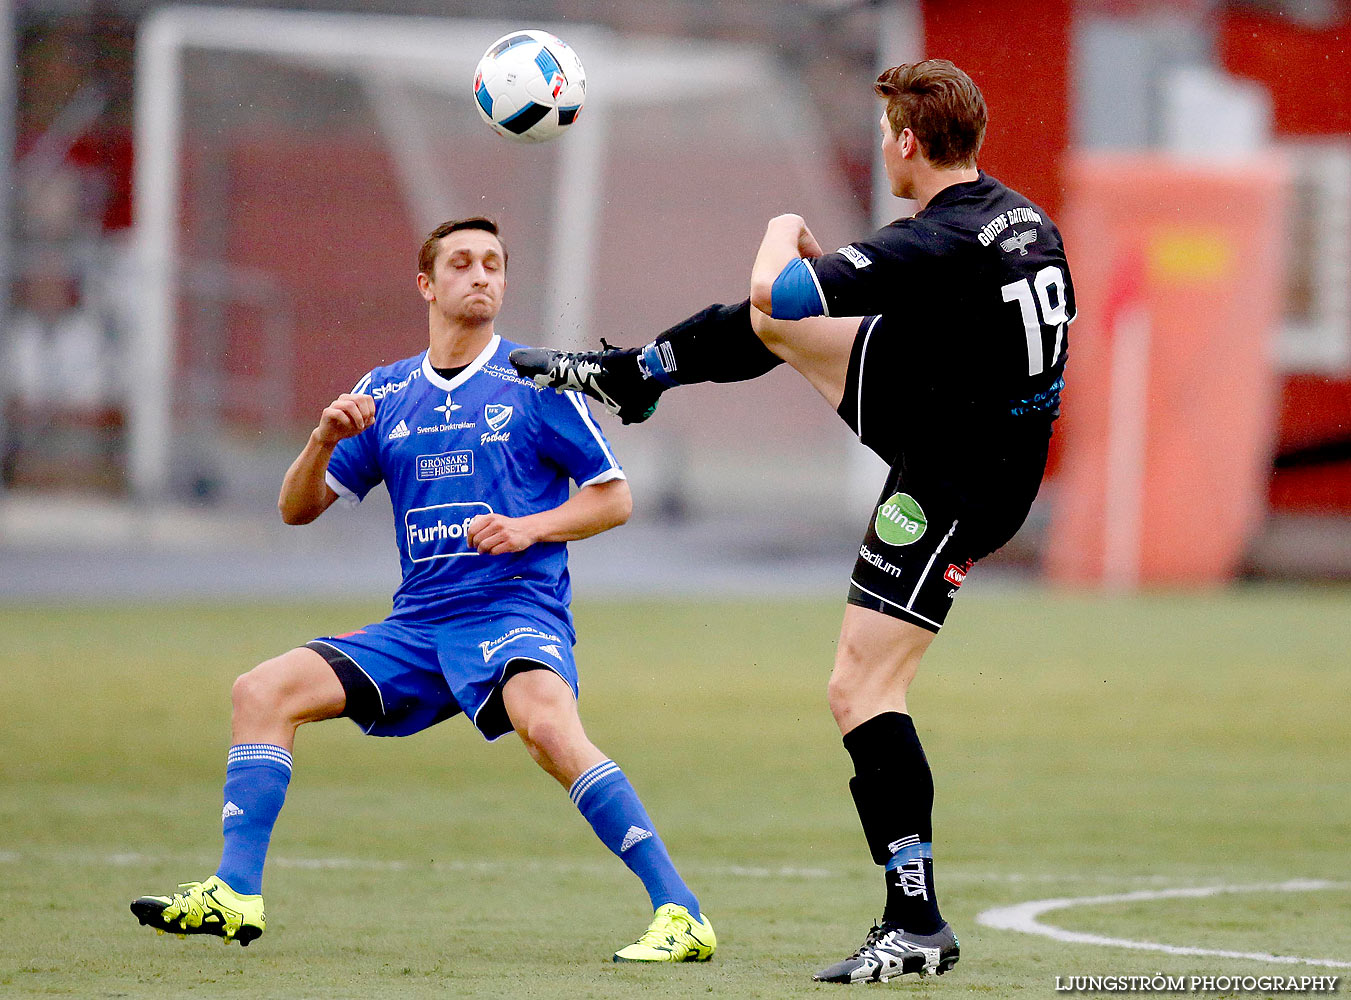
x=444, y=465
x=442, y=531
x=900, y=520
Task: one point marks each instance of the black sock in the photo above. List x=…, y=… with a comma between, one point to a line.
x=893, y=791
x=716, y=344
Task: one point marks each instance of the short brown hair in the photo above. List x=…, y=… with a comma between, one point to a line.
x=426, y=257
x=938, y=103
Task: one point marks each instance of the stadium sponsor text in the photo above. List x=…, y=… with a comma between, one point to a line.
x=873, y=558
x=389, y=388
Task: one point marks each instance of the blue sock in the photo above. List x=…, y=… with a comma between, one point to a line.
x=606, y=798
x=256, y=776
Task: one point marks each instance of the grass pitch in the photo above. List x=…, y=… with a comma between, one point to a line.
x=1082, y=747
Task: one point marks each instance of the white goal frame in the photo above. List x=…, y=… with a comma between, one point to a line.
x=383, y=51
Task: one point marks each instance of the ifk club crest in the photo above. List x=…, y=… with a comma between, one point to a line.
x=497, y=415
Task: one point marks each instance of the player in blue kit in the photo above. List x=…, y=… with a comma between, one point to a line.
x=477, y=462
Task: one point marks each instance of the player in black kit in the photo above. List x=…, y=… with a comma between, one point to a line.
x=953, y=376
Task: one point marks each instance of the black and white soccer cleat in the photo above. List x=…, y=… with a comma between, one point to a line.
x=602, y=375
x=888, y=951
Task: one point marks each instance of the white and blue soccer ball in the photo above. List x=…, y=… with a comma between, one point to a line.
x=529, y=86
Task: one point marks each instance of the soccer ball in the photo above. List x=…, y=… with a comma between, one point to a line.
x=529, y=86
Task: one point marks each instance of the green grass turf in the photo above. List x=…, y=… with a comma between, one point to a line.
x=1082, y=746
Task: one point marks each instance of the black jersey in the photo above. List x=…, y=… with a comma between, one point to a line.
x=976, y=297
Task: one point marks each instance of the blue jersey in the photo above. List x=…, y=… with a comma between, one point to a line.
x=486, y=441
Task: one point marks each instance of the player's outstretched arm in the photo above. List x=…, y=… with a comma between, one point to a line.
x=304, y=493
x=589, y=511
x=786, y=239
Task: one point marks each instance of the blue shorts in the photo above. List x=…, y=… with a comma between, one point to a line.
x=403, y=675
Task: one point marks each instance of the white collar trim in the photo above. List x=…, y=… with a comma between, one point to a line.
x=449, y=385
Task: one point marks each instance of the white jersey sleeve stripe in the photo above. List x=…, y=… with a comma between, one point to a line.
x=595, y=432
x=862, y=357
x=825, y=306
x=608, y=476
x=362, y=385
x=344, y=494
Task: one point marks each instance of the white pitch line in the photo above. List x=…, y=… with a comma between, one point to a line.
x=1023, y=917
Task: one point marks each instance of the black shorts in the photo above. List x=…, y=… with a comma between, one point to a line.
x=928, y=528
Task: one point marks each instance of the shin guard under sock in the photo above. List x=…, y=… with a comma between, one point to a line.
x=893, y=792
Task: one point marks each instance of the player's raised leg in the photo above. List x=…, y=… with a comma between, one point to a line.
x=877, y=658
x=716, y=344
x=269, y=703
x=544, y=714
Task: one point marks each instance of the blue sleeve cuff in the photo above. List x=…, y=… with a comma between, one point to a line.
x=796, y=294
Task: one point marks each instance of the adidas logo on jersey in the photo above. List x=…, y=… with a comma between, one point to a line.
x=636, y=835
x=230, y=810
x=401, y=431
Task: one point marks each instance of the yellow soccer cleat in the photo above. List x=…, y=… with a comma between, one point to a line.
x=673, y=936
x=209, y=907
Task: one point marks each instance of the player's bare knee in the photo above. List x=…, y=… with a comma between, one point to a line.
x=281, y=691
x=844, y=691
x=253, y=695
x=547, y=736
